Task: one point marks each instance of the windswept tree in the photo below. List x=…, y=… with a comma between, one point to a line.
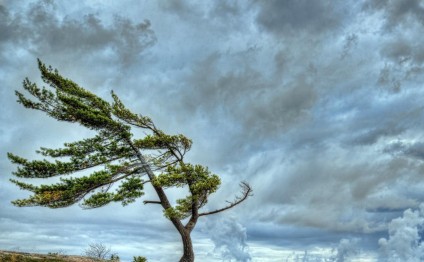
x=123, y=164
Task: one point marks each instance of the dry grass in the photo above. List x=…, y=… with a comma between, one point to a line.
x=12, y=256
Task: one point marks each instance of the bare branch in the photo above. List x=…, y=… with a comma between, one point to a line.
x=97, y=251
x=246, y=192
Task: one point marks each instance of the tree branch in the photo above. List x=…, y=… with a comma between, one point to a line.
x=151, y=202
x=246, y=192
x=159, y=190
x=111, y=182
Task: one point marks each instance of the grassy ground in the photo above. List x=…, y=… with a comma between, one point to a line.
x=11, y=256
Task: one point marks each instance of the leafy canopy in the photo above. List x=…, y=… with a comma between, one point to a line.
x=122, y=169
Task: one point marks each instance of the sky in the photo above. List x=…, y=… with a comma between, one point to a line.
x=318, y=105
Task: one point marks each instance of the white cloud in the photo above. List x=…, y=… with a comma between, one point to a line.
x=404, y=242
x=229, y=238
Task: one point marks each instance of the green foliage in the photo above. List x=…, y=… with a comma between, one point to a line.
x=112, y=150
x=163, y=141
x=69, y=102
x=200, y=181
x=129, y=190
x=139, y=259
x=120, y=111
x=40, y=168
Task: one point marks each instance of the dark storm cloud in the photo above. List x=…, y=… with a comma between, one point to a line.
x=321, y=106
x=325, y=178
x=249, y=105
x=191, y=10
x=403, y=50
x=315, y=193
x=403, y=60
x=185, y=10
x=398, y=12
x=254, y=106
x=45, y=34
x=413, y=150
x=226, y=9
x=295, y=237
x=401, y=29
x=299, y=16
x=385, y=120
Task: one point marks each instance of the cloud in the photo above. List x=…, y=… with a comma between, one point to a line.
x=229, y=238
x=399, y=26
x=215, y=12
x=243, y=100
x=402, y=50
x=298, y=16
x=413, y=150
x=404, y=242
x=403, y=61
x=398, y=13
x=183, y=9
x=46, y=35
x=346, y=249
x=347, y=194
x=381, y=122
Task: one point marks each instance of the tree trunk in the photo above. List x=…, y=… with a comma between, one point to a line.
x=188, y=255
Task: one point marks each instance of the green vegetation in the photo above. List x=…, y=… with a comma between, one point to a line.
x=139, y=259
x=124, y=165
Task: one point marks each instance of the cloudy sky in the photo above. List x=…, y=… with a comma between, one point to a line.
x=317, y=104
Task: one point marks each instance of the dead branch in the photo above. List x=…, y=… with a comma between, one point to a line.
x=246, y=192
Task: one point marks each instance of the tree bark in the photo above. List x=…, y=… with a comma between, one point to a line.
x=188, y=255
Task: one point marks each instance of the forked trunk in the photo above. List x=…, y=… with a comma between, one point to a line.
x=188, y=255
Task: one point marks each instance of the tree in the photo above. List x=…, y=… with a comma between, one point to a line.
x=139, y=259
x=97, y=250
x=115, y=258
x=126, y=164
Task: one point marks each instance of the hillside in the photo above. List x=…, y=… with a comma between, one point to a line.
x=12, y=256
